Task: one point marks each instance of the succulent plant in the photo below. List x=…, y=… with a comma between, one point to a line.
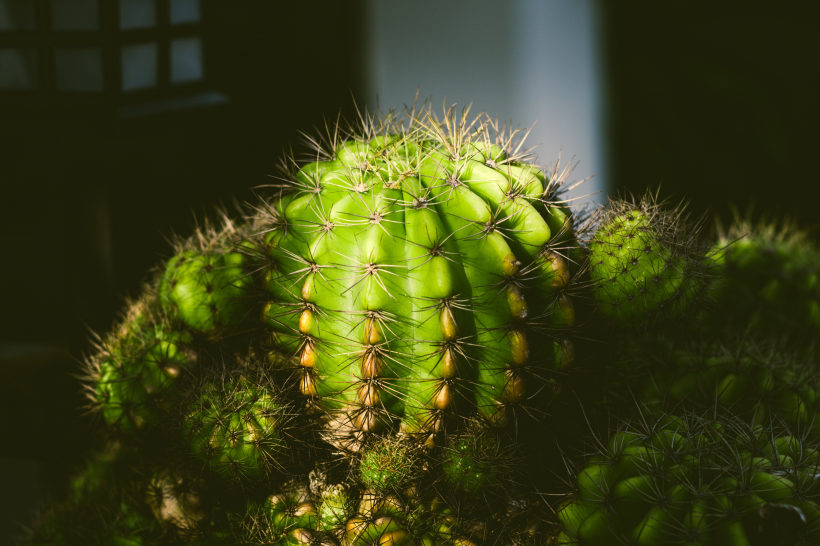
x=236, y=428
x=475, y=462
x=647, y=264
x=398, y=313
x=760, y=380
x=205, y=285
x=134, y=378
x=690, y=479
x=410, y=268
x=768, y=278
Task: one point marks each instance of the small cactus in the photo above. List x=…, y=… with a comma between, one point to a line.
x=236, y=427
x=647, y=264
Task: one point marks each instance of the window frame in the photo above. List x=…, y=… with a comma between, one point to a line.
x=110, y=39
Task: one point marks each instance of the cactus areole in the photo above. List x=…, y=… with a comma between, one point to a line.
x=408, y=269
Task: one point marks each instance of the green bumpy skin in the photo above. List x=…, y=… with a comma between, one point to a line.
x=646, y=265
x=768, y=279
x=136, y=375
x=760, y=381
x=409, y=274
x=237, y=430
x=288, y=517
x=387, y=464
x=692, y=480
x=335, y=508
x=207, y=290
x=474, y=463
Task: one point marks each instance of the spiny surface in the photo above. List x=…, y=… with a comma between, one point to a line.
x=236, y=427
x=767, y=279
x=647, y=264
x=134, y=378
x=761, y=381
x=411, y=266
x=687, y=479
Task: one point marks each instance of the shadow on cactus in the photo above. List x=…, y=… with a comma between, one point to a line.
x=768, y=278
x=695, y=478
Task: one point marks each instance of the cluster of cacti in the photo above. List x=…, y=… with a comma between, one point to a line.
x=691, y=479
x=389, y=350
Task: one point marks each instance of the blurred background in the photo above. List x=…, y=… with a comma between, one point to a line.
x=121, y=121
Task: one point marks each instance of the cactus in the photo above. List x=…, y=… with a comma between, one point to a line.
x=689, y=479
x=236, y=428
x=768, y=278
x=762, y=381
x=399, y=314
x=475, y=462
x=388, y=463
x=410, y=269
x=647, y=264
x=205, y=285
x=133, y=379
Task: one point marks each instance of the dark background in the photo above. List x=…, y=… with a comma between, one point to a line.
x=715, y=103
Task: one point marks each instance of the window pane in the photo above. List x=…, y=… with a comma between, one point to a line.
x=184, y=11
x=74, y=15
x=139, y=66
x=78, y=69
x=16, y=15
x=137, y=14
x=186, y=60
x=18, y=68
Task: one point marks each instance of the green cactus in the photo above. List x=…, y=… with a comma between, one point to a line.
x=205, y=285
x=409, y=271
x=417, y=282
x=688, y=479
x=768, y=279
x=133, y=380
x=647, y=264
x=762, y=381
x=475, y=462
x=388, y=463
x=335, y=508
x=237, y=428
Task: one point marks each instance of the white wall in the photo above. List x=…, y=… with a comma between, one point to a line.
x=519, y=60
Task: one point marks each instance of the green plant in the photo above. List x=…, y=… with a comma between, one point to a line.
x=691, y=479
x=647, y=263
x=410, y=268
x=768, y=278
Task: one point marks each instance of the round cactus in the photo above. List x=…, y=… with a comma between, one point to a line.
x=687, y=479
x=134, y=378
x=646, y=263
x=205, y=285
x=474, y=462
x=237, y=428
x=767, y=279
x=388, y=463
x=335, y=508
x=409, y=271
x=762, y=381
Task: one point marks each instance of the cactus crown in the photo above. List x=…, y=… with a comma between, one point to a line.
x=407, y=269
x=647, y=263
